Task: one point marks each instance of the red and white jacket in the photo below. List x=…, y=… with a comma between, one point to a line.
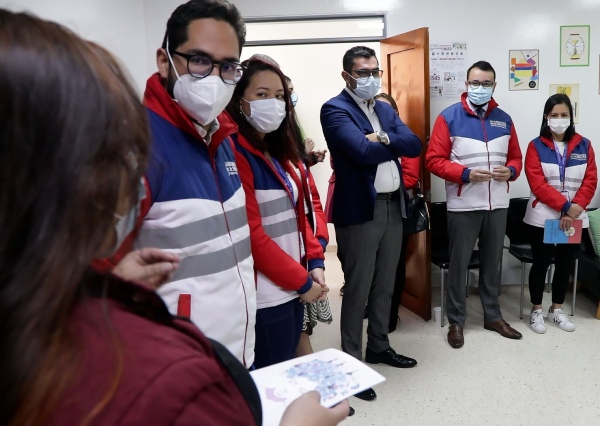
x=541, y=167
x=460, y=142
x=284, y=247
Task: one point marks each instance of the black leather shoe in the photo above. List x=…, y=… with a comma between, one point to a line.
x=351, y=413
x=389, y=357
x=367, y=395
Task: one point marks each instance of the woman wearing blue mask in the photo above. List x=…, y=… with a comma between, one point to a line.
x=288, y=258
x=562, y=174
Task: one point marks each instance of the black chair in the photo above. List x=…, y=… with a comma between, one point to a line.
x=440, y=247
x=520, y=247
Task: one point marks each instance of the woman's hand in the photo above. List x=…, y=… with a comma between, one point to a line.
x=309, y=144
x=575, y=211
x=312, y=295
x=307, y=410
x=565, y=223
x=149, y=266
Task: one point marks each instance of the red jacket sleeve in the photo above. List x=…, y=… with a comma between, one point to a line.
x=514, y=157
x=316, y=242
x=108, y=264
x=537, y=181
x=590, y=181
x=322, y=232
x=437, y=159
x=410, y=171
x=269, y=258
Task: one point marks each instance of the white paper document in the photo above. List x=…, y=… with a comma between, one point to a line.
x=333, y=373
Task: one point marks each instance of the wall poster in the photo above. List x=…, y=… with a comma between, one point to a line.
x=572, y=91
x=575, y=46
x=448, y=65
x=524, y=73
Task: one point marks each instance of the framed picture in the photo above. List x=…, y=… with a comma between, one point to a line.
x=575, y=46
x=524, y=69
x=572, y=91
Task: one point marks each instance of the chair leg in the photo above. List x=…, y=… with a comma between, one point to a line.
x=442, y=296
x=548, y=278
x=575, y=286
x=522, y=287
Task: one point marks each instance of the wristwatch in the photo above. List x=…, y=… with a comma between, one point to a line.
x=383, y=137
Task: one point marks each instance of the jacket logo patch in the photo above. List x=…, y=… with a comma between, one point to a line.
x=231, y=168
x=578, y=157
x=500, y=124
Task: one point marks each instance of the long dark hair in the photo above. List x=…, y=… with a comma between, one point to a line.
x=388, y=98
x=283, y=143
x=558, y=99
x=71, y=130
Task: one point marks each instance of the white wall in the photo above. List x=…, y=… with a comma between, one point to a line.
x=115, y=24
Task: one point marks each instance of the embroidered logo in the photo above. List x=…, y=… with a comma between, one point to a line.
x=500, y=124
x=231, y=168
x=578, y=157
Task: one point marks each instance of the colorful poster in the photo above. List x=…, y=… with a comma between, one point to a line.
x=572, y=91
x=575, y=46
x=448, y=65
x=524, y=71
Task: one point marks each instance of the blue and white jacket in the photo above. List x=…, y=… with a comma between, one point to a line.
x=198, y=212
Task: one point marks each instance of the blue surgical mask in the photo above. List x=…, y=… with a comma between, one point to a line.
x=367, y=87
x=294, y=98
x=480, y=96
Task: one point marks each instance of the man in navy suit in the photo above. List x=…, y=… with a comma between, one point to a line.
x=366, y=139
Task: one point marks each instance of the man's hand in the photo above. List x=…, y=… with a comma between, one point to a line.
x=319, y=155
x=478, y=175
x=501, y=174
x=575, y=211
x=372, y=137
x=307, y=410
x=565, y=223
x=149, y=266
x=309, y=144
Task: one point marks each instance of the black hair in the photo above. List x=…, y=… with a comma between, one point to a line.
x=483, y=66
x=388, y=98
x=220, y=10
x=356, y=52
x=558, y=99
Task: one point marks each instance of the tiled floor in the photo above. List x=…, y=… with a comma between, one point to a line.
x=540, y=380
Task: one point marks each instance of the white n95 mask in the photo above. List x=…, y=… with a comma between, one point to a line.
x=203, y=99
x=266, y=115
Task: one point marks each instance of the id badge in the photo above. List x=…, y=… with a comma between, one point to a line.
x=566, y=195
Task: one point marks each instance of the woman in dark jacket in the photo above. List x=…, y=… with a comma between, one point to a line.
x=79, y=347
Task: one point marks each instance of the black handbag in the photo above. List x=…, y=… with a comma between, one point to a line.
x=417, y=214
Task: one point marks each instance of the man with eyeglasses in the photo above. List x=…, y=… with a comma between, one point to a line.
x=195, y=205
x=366, y=138
x=475, y=149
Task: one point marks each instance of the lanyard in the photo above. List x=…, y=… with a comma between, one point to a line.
x=562, y=163
x=285, y=178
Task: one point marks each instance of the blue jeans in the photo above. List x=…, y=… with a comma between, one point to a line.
x=278, y=330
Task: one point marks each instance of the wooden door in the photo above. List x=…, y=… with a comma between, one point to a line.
x=405, y=61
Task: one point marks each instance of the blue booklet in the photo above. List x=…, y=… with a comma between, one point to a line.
x=554, y=235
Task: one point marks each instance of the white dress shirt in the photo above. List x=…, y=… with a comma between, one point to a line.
x=474, y=107
x=387, y=178
x=207, y=136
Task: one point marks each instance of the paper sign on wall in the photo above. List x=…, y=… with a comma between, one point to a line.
x=448, y=65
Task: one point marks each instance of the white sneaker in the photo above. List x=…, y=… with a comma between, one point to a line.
x=536, y=321
x=560, y=318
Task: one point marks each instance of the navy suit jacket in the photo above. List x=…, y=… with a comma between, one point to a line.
x=355, y=158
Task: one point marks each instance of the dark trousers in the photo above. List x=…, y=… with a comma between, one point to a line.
x=399, y=285
x=369, y=254
x=564, y=255
x=278, y=332
x=464, y=228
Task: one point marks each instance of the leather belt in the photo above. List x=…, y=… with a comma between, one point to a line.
x=388, y=196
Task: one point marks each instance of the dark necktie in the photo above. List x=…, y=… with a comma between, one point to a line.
x=480, y=112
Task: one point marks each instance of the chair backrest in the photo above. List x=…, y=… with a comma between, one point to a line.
x=587, y=245
x=439, y=227
x=516, y=230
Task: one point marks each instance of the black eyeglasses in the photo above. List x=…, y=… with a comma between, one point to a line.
x=475, y=84
x=200, y=66
x=368, y=73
